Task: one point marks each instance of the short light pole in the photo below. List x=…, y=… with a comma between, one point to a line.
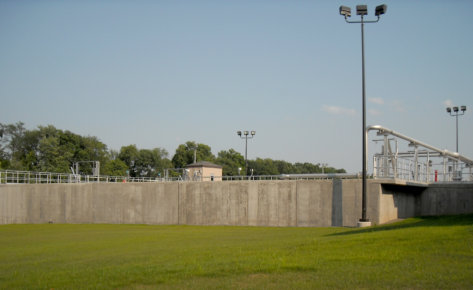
x=246, y=136
x=323, y=167
x=456, y=113
x=362, y=10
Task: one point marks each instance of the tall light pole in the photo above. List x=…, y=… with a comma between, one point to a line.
x=246, y=136
x=362, y=10
x=456, y=113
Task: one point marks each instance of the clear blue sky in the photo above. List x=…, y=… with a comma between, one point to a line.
x=160, y=73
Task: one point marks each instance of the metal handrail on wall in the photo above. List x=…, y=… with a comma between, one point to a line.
x=29, y=177
x=423, y=163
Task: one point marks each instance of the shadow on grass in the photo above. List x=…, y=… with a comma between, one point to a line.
x=427, y=221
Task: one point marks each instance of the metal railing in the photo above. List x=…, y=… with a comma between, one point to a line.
x=407, y=169
x=420, y=163
x=29, y=177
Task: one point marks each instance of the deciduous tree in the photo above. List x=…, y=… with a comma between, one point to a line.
x=231, y=162
x=185, y=154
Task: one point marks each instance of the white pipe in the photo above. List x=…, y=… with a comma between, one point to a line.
x=444, y=152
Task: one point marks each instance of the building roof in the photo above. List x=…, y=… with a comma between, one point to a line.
x=203, y=164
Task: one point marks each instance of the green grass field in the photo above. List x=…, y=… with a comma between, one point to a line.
x=420, y=253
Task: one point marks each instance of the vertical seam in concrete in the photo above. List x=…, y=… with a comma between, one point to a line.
x=178, y=203
x=297, y=199
x=248, y=206
x=64, y=205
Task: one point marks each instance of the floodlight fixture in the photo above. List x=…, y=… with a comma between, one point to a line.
x=380, y=10
x=361, y=10
x=455, y=114
x=246, y=137
x=345, y=11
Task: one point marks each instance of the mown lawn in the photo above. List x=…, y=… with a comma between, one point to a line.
x=420, y=253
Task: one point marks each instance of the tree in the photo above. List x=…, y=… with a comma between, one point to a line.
x=262, y=167
x=47, y=149
x=284, y=167
x=11, y=136
x=231, y=162
x=50, y=149
x=185, y=154
x=114, y=167
x=129, y=155
x=306, y=168
x=144, y=162
x=151, y=163
x=50, y=157
x=25, y=155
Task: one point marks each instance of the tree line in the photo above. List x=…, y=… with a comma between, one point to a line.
x=48, y=149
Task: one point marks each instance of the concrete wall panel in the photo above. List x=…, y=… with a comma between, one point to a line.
x=79, y=206
x=238, y=204
x=337, y=203
x=190, y=205
x=12, y=208
x=352, y=201
x=440, y=199
x=255, y=203
x=287, y=204
x=314, y=203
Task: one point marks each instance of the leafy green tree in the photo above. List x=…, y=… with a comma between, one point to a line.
x=262, y=167
x=231, y=161
x=305, y=168
x=151, y=163
x=115, y=167
x=144, y=162
x=185, y=154
x=50, y=156
x=25, y=155
x=284, y=167
x=129, y=155
x=11, y=138
x=48, y=149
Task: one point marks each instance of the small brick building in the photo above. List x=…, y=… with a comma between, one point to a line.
x=204, y=171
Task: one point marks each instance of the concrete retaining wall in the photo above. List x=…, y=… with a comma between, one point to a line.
x=398, y=199
x=313, y=203
x=443, y=199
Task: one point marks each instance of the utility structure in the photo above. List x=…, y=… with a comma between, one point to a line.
x=246, y=136
x=456, y=113
x=362, y=10
x=95, y=167
x=422, y=164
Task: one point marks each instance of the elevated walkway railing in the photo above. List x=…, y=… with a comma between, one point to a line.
x=420, y=162
x=30, y=177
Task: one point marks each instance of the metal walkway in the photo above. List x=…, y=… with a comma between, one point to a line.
x=418, y=162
